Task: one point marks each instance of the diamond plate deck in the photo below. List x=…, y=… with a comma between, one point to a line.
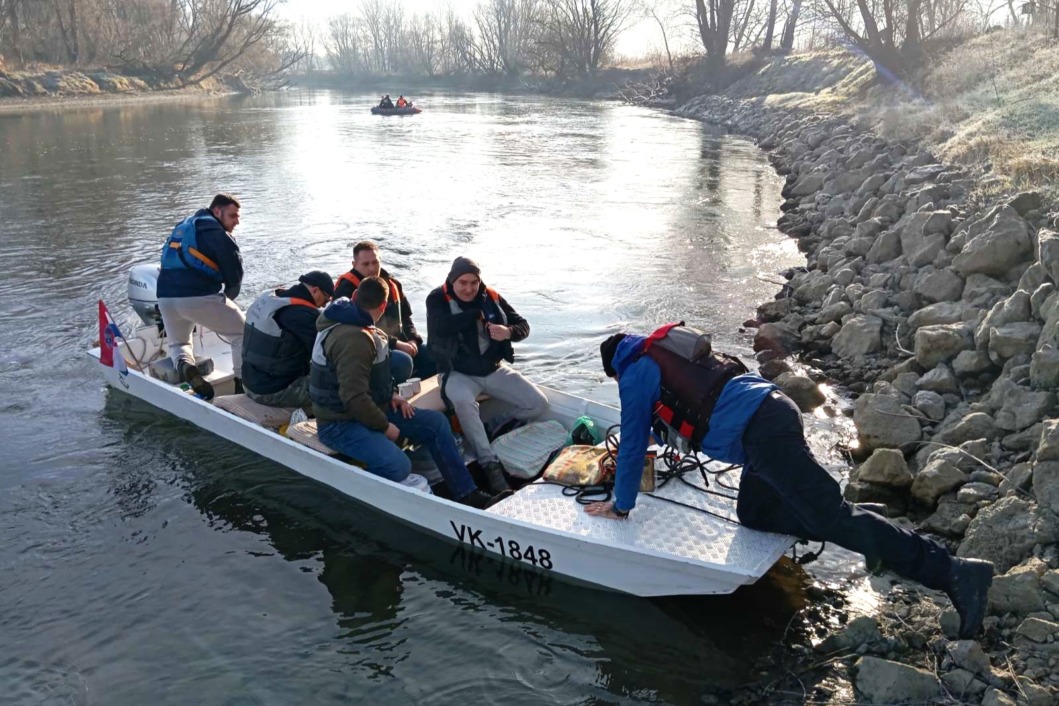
x=657, y=526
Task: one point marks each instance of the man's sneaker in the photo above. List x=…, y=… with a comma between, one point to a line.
x=190, y=374
x=969, y=593
x=494, y=475
x=477, y=498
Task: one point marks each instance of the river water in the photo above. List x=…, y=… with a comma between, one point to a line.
x=144, y=560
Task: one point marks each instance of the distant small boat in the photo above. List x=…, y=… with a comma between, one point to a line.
x=376, y=110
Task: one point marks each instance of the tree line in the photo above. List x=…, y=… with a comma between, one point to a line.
x=190, y=40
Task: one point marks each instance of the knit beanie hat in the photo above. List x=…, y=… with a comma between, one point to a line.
x=463, y=266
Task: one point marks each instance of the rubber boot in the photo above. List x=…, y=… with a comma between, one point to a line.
x=969, y=593
x=477, y=498
x=190, y=374
x=494, y=475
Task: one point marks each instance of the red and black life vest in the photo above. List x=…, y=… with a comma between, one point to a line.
x=693, y=376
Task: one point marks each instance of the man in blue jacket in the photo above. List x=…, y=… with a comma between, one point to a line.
x=278, y=341
x=202, y=272
x=744, y=419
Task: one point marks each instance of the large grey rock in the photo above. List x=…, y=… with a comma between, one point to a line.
x=1010, y=340
x=930, y=403
x=1048, y=252
x=996, y=697
x=967, y=427
x=969, y=655
x=886, y=467
x=934, y=344
x=949, y=312
x=805, y=393
x=1038, y=630
x=1046, y=484
x=858, y=337
x=807, y=184
x=777, y=336
x=1044, y=369
x=859, y=631
x=968, y=363
x=883, y=423
x=886, y=247
x=881, y=681
x=1023, y=408
x=938, y=478
x=1025, y=202
x=1005, y=532
x=939, y=285
x=939, y=380
x=1004, y=244
x=982, y=291
x=1048, y=447
x=951, y=518
x=1018, y=589
x=1015, y=308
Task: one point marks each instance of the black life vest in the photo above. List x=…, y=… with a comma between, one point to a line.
x=272, y=358
x=391, y=320
x=693, y=376
x=446, y=349
x=323, y=376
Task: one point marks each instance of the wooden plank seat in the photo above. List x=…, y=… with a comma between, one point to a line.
x=305, y=433
x=245, y=408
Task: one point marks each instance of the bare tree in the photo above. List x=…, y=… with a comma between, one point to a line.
x=770, y=26
x=651, y=10
x=342, y=44
x=581, y=33
x=790, y=26
x=714, y=20
x=507, y=29
x=425, y=45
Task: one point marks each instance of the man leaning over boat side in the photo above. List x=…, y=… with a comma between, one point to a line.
x=783, y=488
x=202, y=272
x=470, y=328
x=278, y=341
x=408, y=354
x=357, y=412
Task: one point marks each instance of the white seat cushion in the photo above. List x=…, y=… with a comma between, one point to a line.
x=305, y=433
x=245, y=408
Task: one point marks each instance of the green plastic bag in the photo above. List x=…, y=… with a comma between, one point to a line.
x=584, y=432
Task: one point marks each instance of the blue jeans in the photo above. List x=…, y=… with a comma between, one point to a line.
x=400, y=366
x=382, y=457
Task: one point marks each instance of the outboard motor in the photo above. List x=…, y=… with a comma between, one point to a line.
x=143, y=288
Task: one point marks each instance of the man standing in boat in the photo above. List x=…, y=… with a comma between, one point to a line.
x=408, y=355
x=278, y=341
x=357, y=412
x=471, y=328
x=202, y=272
x=709, y=403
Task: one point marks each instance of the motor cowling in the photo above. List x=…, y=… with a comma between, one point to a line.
x=143, y=293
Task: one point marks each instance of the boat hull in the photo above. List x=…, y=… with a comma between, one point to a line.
x=376, y=110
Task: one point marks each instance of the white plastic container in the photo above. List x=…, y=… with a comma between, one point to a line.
x=418, y=483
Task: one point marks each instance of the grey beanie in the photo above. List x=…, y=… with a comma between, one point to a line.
x=463, y=266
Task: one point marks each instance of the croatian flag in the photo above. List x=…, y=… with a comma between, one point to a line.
x=109, y=334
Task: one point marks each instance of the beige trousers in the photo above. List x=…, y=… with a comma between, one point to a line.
x=214, y=311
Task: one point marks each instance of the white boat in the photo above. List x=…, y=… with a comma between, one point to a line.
x=661, y=549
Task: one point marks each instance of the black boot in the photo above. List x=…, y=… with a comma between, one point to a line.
x=477, y=498
x=494, y=475
x=969, y=593
x=190, y=374
x=239, y=386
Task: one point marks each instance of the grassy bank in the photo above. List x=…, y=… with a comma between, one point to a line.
x=990, y=103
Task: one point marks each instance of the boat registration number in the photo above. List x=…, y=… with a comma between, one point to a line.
x=509, y=548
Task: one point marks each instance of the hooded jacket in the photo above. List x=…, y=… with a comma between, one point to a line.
x=352, y=350
x=639, y=387
x=455, y=331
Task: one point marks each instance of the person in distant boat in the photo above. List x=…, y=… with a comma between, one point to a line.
x=386, y=102
x=409, y=354
x=200, y=259
x=713, y=405
x=353, y=397
x=278, y=341
x=470, y=329
x=401, y=102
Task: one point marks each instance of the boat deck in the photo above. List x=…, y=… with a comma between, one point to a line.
x=657, y=526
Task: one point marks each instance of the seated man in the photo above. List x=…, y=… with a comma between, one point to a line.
x=410, y=355
x=401, y=102
x=358, y=413
x=712, y=404
x=471, y=329
x=278, y=341
x=199, y=258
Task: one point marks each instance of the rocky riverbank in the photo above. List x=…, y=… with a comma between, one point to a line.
x=54, y=86
x=938, y=308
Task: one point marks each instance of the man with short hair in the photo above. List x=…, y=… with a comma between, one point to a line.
x=710, y=404
x=410, y=354
x=278, y=341
x=471, y=328
x=357, y=412
x=199, y=259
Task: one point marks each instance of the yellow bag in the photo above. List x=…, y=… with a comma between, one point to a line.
x=578, y=465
